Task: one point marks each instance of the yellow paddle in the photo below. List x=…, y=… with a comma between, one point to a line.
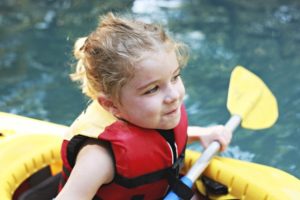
x=251, y=99
x=250, y=103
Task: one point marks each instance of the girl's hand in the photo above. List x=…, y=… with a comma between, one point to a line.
x=207, y=135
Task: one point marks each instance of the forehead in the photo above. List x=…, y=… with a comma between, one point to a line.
x=155, y=66
x=159, y=61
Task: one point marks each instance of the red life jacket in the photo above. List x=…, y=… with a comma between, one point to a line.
x=143, y=159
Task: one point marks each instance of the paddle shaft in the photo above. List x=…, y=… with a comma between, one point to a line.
x=201, y=164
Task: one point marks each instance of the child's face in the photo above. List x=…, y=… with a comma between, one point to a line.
x=152, y=99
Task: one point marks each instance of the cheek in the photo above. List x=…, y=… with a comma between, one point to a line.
x=149, y=107
x=181, y=89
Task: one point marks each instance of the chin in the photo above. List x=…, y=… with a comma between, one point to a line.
x=170, y=125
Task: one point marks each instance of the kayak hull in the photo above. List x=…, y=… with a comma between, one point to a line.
x=28, y=145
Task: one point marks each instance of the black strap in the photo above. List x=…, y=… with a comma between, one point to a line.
x=168, y=135
x=179, y=188
x=74, y=146
x=141, y=180
x=138, y=197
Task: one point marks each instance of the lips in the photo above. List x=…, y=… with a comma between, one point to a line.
x=172, y=111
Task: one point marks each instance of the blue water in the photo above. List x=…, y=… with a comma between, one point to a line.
x=36, y=41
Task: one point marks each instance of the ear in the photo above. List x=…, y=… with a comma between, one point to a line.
x=108, y=104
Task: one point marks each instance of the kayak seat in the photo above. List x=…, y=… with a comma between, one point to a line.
x=47, y=189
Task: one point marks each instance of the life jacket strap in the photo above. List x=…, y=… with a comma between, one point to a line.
x=179, y=188
x=176, y=185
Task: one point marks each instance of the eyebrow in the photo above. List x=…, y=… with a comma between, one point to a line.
x=152, y=82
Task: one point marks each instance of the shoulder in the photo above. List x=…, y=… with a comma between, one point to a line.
x=95, y=155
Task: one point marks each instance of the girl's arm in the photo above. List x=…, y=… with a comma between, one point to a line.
x=206, y=135
x=93, y=168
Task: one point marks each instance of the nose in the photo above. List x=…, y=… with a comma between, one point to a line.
x=172, y=94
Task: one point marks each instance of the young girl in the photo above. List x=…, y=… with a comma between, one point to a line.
x=130, y=141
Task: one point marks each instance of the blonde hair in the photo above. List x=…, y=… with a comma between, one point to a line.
x=106, y=58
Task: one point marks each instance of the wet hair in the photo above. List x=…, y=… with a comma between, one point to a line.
x=107, y=56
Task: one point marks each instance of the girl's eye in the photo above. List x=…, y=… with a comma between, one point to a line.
x=175, y=78
x=152, y=90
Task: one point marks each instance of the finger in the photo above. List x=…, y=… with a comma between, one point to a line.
x=225, y=140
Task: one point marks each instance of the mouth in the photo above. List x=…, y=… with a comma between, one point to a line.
x=173, y=111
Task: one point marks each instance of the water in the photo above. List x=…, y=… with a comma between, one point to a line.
x=35, y=54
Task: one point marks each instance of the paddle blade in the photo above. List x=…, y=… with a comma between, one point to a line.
x=251, y=99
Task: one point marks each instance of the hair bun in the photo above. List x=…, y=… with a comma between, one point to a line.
x=78, y=48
